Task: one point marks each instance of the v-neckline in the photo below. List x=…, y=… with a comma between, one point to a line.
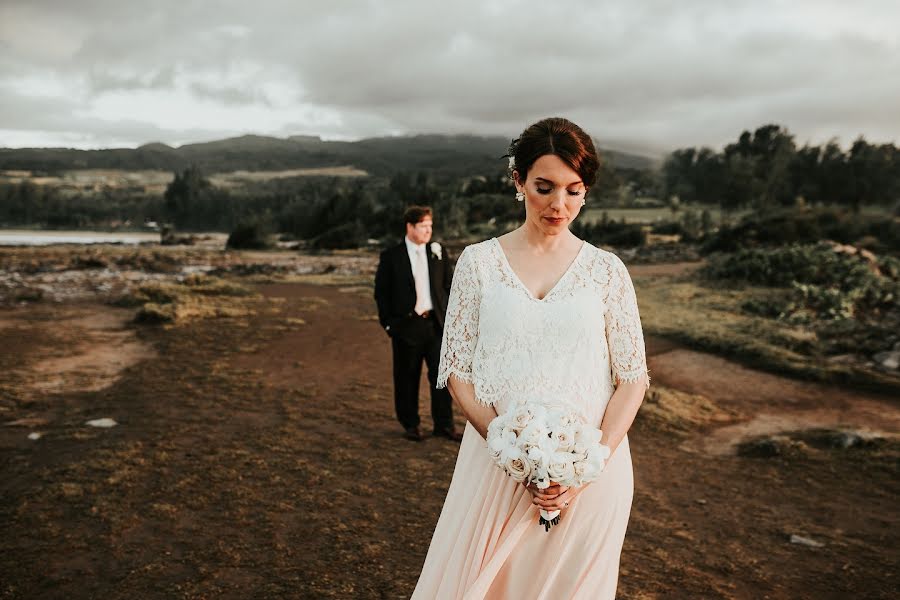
x=523, y=286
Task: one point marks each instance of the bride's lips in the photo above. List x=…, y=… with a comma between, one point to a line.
x=555, y=221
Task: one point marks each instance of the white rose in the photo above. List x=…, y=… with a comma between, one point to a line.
x=565, y=438
x=518, y=468
x=580, y=466
x=436, y=250
x=547, y=443
x=520, y=417
x=581, y=472
x=561, y=468
x=534, y=431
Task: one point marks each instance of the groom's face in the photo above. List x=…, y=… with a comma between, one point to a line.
x=420, y=233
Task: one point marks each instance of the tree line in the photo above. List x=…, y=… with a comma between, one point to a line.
x=766, y=168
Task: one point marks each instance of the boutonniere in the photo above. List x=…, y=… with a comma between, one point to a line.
x=436, y=250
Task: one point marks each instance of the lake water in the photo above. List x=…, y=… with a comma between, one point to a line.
x=23, y=237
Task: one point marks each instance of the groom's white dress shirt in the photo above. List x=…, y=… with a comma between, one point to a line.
x=419, y=262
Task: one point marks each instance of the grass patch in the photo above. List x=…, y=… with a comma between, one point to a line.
x=711, y=319
x=329, y=279
x=680, y=412
x=196, y=297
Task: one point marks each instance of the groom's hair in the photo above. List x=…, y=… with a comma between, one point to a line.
x=416, y=213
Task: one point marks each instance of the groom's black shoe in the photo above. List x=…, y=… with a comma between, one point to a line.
x=413, y=433
x=450, y=434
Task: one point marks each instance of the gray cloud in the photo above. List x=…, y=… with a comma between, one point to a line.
x=646, y=75
x=232, y=96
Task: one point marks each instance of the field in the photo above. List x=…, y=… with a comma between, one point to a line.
x=651, y=215
x=256, y=454
x=156, y=181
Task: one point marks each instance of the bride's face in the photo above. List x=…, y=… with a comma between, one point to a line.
x=554, y=194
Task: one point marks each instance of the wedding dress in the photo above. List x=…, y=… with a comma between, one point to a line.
x=571, y=346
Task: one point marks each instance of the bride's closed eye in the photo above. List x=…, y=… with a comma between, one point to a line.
x=545, y=191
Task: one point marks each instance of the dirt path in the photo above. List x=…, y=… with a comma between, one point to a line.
x=762, y=403
x=259, y=458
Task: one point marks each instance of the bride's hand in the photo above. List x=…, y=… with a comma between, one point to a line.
x=555, y=497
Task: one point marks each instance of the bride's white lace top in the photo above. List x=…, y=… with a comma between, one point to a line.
x=573, y=346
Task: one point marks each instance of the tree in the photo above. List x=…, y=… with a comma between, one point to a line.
x=187, y=192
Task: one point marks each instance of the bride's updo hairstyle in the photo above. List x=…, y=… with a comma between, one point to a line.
x=560, y=137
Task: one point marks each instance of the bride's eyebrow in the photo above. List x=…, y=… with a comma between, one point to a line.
x=545, y=180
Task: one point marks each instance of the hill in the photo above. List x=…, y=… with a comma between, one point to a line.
x=448, y=154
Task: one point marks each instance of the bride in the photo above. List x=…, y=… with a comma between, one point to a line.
x=538, y=313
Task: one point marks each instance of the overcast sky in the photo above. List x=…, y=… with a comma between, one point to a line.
x=649, y=75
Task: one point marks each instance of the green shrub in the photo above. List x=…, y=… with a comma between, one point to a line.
x=825, y=282
x=879, y=233
x=249, y=236
x=348, y=235
x=612, y=233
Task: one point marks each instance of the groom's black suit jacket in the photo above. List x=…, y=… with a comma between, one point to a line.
x=395, y=287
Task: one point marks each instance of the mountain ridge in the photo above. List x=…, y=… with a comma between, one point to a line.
x=457, y=154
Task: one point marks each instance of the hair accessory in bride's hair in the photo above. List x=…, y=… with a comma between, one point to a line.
x=511, y=155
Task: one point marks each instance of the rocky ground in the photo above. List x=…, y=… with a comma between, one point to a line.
x=250, y=450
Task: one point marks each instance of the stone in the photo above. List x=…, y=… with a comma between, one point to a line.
x=27, y=422
x=105, y=422
x=805, y=541
x=845, y=439
x=761, y=448
x=34, y=435
x=888, y=360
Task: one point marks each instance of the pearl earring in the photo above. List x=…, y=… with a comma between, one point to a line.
x=520, y=196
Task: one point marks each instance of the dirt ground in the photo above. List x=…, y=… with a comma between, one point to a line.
x=258, y=457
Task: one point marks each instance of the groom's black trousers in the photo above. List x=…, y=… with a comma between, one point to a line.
x=416, y=339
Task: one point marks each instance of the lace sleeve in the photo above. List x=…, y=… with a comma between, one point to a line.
x=461, y=322
x=623, y=328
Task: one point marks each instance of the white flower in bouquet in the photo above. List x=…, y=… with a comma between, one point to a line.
x=596, y=458
x=585, y=437
x=504, y=445
x=580, y=467
x=534, y=433
x=519, y=418
x=561, y=468
x=540, y=463
x=564, y=437
x=518, y=468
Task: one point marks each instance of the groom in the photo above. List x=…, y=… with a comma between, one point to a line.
x=412, y=284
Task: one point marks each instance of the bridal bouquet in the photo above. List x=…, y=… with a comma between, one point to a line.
x=537, y=443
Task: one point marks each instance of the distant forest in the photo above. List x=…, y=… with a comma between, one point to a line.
x=766, y=169
x=461, y=177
